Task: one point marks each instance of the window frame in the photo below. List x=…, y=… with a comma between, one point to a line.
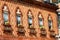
x=8, y=12
x=28, y=18
x=39, y=19
x=51, y=21
x=21, y=23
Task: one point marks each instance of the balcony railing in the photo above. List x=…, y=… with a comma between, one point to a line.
x=7, y=29
x=32, y=31
x=21, y=30
x=43, y=32
x=52, y=33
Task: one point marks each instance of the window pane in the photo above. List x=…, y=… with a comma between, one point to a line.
x=40, y=22
x=18, y=19
x=50, y=24
x=29, y=18
x=30, y=21
x=5, y=15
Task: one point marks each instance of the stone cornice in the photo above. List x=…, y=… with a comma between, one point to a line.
x=33, y=2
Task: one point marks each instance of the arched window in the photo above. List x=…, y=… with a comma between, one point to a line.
x=50, y=22
x=5, y=14
x=40, y=20
x=30, y=18
x=21, y=30
x=18, y=16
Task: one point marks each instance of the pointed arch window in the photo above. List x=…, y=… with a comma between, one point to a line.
x=5, y=14
x=21, y=30
x=40, y=20
x=30, y=20
x=18, y=16
x=50, y=22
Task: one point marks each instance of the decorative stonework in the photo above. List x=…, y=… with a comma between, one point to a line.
x=35, y=11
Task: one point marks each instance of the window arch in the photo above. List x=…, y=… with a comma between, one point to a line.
x=19, y=17
x=6, y=15
x=50, y=22
x=40, y=18
x=21, y=30
x=30, y=19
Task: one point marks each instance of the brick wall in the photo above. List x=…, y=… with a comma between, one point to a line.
x=24, y=9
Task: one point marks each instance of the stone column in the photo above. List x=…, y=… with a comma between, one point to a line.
x=46, y=24
x=36, y=22
x=25, y=20
x=12, y=9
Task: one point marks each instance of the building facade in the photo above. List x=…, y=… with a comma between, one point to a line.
x=27, y=20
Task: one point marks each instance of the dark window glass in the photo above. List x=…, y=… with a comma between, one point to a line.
x=5, y=16
x=18, y=19
x=30, y=18
x=18, y=15
x=40, y=21
x=50, y=23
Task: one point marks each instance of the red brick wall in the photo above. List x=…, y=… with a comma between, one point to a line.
x=24, y=9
